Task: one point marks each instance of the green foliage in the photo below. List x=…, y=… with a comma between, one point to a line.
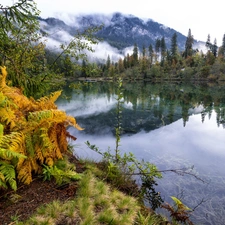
x=7, y=175
x=22, y=49
x=20, y=46
x=61, y=176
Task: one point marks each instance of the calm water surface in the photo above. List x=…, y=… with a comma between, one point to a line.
x=173, y=126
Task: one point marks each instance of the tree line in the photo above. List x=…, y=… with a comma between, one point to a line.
x=161, y=63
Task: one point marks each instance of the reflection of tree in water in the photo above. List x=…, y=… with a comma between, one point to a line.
x=156, y=105
x=170, y=97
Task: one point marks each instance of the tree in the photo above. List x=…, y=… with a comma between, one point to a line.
x=108, y=62
x=214, y=48
x=135, y=54
x=143, y=51
x=150, y=54
x=188, y=45
x=157, y=47
x=174, y=47
x=223, y=46
x=163, y=49
x=208, y=43
x=120, y=66
x=83, y=70
x=22, y=48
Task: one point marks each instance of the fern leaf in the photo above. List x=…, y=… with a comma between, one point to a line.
x=25, y=173
x=179, y=204
x=9, y=173
x=3, y=76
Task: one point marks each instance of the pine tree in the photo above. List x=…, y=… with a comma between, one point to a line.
x=188, y=45
x=135, y=54
x=163, y=49
x=108, y=62
x=83, y=69
x=174, y=47
x=157, y=47
x=214, y=48
x=208, y=43
x=150, y=54
x=143, y=51
x=223, y=47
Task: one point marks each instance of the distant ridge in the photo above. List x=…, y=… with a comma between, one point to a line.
x=119, y=30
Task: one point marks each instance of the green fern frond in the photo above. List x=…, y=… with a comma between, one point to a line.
x=60, y=175
x=29, y=145
x=1, y=131
x=11, y=145
x=39, y=115
x=9, y=173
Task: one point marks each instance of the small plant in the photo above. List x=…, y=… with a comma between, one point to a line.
x=179, y=212
x=60, y=176
x=121, y=168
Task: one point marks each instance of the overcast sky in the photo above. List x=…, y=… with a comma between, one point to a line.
x=203, y=17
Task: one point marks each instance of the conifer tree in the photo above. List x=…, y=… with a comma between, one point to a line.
x=223, y=47
x=108, y=62
x=163, y=49
x=135, y=54
x=157, y=47
x=150, y=54
x=143, y=51
x=214, y=47
x=188, y=45
x=174, y=47
x=208, y=43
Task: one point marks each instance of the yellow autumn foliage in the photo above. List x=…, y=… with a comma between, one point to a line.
x=33, y=131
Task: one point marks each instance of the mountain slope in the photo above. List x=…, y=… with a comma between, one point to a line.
x=119, y=30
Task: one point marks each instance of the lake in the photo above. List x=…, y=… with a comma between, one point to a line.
x=174, y=126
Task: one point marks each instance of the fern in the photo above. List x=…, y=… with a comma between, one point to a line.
x=8, y=172
x=32, y=132
x=9, y=144
x=59, y=175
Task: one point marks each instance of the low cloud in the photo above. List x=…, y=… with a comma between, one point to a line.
x=102, y=50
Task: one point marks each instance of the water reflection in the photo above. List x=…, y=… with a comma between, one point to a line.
x=170, y=125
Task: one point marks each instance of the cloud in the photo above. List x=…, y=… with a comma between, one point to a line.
x=78, y=20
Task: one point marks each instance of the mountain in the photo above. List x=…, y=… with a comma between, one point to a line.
x=119, y=31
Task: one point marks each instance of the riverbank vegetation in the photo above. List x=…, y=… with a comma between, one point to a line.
x=34, y=141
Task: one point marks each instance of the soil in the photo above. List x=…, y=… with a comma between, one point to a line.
x=24, y=202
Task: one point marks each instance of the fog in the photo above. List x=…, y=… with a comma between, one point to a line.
x=102, y=50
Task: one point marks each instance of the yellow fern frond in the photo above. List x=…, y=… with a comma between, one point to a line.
x=61, y=134
x=2, y=177
x=49, y=161
x=19, y=164
x=24, y=174
x=54, y=96
x=35, y=166
x=3, y=76
x=71, y=121
x=54, y=137
x=48, y=102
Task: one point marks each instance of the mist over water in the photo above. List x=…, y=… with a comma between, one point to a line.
x=164, y=132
